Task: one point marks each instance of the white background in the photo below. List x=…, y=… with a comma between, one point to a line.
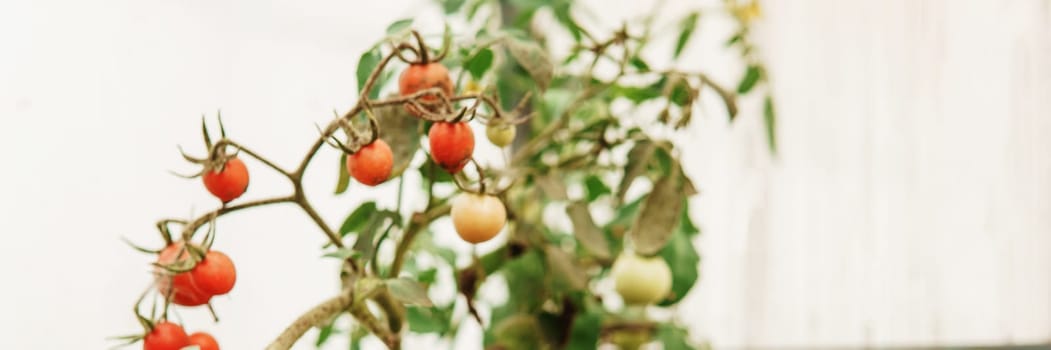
x=908, y=204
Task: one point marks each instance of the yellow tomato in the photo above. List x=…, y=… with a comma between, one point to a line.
x=478, y=217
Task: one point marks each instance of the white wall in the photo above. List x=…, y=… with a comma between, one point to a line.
x=908, y=203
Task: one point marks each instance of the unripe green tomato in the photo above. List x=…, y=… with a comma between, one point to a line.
x=641, y=280
x=500, y=134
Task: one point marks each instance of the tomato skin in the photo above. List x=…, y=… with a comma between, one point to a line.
x=424, y=76
x=166, y=336
x=500, y=134
x=215, y=274
x=641, y=280
x=477, y=217
x=230, y=183
x=452, y=144
x=204, y=340
x=372, y=164
x=181, y=285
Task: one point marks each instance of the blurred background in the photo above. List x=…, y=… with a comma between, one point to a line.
x=909, y=203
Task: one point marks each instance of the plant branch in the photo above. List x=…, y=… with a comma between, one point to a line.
x=249, y=152
x=192, y=226
x=317, y=315
x=417, y=224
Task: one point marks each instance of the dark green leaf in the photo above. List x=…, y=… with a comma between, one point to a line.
x=398, y=26
x=562, y=14
x=428, y=319
x=566, y=272
x=638, y=63
x=637, y=94
x=522, y=275
x=534, y=59
x=366, y=64
x=735, y=39
x=688, y=25
x=344, y=175
x=409, y=292
x=365, y=243
x=682, y=257
x=357, y=219
x=638, y=159
x=673, y=337
x=660, y=214
x=586, y=231
x=587, y=328
x=751, y=76
x=680, y=92
x=595, y=188
x=770, y=121
x=479, y=63
x=428, y=276
x=324, y=333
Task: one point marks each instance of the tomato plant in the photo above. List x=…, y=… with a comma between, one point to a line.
x=585, y=185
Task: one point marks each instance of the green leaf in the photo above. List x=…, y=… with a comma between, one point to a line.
x=451, y=6
x=534, y=59
x=518, y=332
x=770, y=121
x=398, y=26
x=565, y=271
x=366, y=64
x=409, y=292
x=680, y=92
x=673, y=337
x=522, y=275
x=428, y=276
x=637, y=94
x=686, y=224
x=342, y=254
x=638, y=63
x=751, y=76
x=344, y=175
x=682, y=257
x=688, y=25
x=660, y=214
x=638, y=159
x=357, y=219
x=428, y=319
x=478, y=64
x=587, y=328
x=734, y=39
x=324, y=333
x=400, y=130
x=586, y=231
x=562, y=14
x=595, y=188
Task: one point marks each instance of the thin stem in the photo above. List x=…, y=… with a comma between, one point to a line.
x=309, y=209
x=418, y=223
x=424, y=59
x=315, y=316
x=253, y=154
x=201, y=220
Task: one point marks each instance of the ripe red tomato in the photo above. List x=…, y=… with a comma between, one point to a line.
x=451, y=145
x=181, y=286
x=204, y=340
x=230, y=183
x=371, y=165
x=215, y=274
x=424, y=76
x=166, y=336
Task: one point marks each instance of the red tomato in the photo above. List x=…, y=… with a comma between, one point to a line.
x=424, y=76
x=181, y=286
x=451, y=145
x=371, y=165
x=204, y=340
x=166, y=336
x=215, y=274
x=230, y=183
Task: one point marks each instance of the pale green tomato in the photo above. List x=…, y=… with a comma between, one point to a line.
x=641, y=280
x=500, y=134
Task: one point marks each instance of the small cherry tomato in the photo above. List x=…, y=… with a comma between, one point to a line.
x=478, y=217
x=166, y=336
x=215, y=274
x=204, y=340
x=372, y=164
x=641, y=280
x=180, y=286
x=230, y=183
x=500, y=134
x=419, y=77
x=452, y=144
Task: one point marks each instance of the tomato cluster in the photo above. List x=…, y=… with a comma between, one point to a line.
x=213, y=275
x=169, y=336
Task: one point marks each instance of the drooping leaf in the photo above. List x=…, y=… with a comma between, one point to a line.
x=770, y=121
x=751, y=76
x=586, y=231
x=660, y=214
x=683, y=259
x=408, y=291
x=673, y=337
x=479, y=63
x=398, y=26
x=595, y=188
x=365, y=244
x=687, y=27
x=638, y=158
x=344, y=175
x=534, y=59
x=358, y=218
x=428, y=319
x=400, y=131
x=566, y=272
